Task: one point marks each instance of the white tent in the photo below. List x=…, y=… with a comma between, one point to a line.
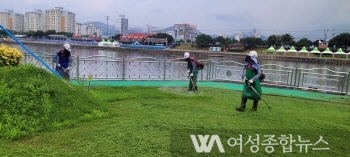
x=327, y=51
x=101, y=43
x=271, y=49
x=292, y=49
x=340, y=52
x=315, y=51
x=281, y=49
x=304, y=50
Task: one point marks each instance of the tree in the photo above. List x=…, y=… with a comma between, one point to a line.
x=273, y=40
x=287, y=39
x=221, y=40
x=251, y=42
x=204, y=39
x=316, y=42
x=163, y=35
x=2, y=32
x=116, y=37
x=342, y=40
x=228, y=41
x=48, y=32
x=39, y=33
x=303, y=42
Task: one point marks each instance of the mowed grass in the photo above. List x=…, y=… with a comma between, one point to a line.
x=158, y=121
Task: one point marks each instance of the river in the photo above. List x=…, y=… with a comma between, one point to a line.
x=83, y=52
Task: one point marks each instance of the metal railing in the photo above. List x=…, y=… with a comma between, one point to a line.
x=103, y=67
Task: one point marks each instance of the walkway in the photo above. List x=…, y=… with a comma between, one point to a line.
x=231, y=86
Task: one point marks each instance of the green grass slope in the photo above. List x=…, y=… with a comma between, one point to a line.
x=33, y=100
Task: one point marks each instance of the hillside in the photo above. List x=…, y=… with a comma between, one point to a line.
x=33, y=100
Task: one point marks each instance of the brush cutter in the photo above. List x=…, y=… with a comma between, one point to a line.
x=65, y=75
x=249, y=85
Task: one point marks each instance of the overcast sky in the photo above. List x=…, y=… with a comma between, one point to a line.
x=268, y=17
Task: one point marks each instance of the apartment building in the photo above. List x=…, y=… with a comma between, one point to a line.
x=185, y=31
x=122, y=26
x=12, y=21
x=87, y=30
x=59, y=20
x=35, y=20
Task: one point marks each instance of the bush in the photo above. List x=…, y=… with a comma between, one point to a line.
x=33, y=100
x=10, y=56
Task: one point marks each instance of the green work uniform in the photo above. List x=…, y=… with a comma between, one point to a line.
x=194, y=79
x=248, y=92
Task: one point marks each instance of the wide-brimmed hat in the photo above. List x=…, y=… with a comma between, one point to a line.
x=253, y=53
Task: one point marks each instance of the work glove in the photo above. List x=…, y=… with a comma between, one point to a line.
x=191, y=75
x=188, y=71
x=68, y=68
x=59, y=65
x=250, y=81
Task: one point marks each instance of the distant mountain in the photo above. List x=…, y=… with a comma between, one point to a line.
x=313, y=35
x=111, y=28
x=170, y=28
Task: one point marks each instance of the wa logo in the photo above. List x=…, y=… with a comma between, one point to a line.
x=204, y=145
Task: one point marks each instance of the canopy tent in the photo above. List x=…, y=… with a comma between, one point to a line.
x=315, y=51
x=271, y=49
x=340, y=52
x=327, y=51
x=281, y=49
x=304, y=50
x=292, y=49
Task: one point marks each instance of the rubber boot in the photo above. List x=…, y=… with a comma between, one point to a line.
x=255, y=105
x=243, y=104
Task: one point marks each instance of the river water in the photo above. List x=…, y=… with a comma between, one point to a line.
x=84, y=52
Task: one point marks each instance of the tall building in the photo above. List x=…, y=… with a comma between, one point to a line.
x=122, y=26
x=35, y=20
x=87, y=30
x=185, y=31
x=12, y=21
x=59, y=20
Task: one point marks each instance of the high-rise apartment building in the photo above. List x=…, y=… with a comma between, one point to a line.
x=122, y=26
x=12, y=21
x=87, y=30
x=185, y=31
x=59, y=20
x=35, y=20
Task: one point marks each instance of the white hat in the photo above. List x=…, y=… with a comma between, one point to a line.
x=67, y=47
x=186, y=55
x=253, y=54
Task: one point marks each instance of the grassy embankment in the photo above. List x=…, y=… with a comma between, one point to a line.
x=45, y=117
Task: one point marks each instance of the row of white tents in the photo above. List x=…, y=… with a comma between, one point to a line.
x=108, y=43
x=305, y=51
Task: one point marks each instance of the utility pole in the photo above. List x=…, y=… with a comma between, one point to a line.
x=325, y=34
x=107, y=26
x=333, y=32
